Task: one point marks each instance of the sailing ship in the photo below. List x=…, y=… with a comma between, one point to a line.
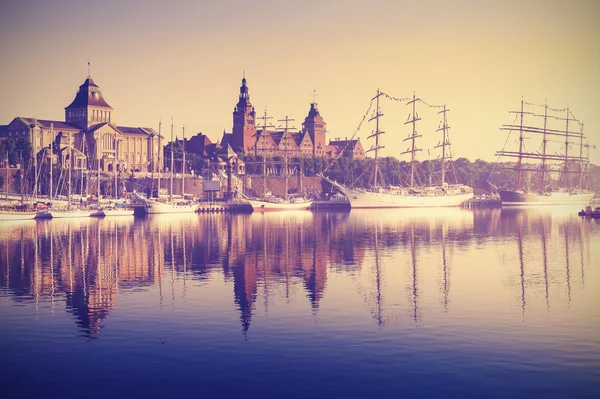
x=573, y=169
x=170, y=205
x=378, y=195
x=271, y=202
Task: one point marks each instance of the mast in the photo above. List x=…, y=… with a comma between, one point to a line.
x=566, y=167
x=6, y=185
x=22, y=175
x=264, y=161
x=520, y=157
x=544, y=144
x=171, y=188
x=51, y=161
x=376, y=134
x=445, y=142
x=69, y=174
x=581, y=162
x=158, y=189
x=285, y=152
x=412, y=137
x=115, y=169
x=183, y=165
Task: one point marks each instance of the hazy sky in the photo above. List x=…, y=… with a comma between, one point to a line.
x=185, y=59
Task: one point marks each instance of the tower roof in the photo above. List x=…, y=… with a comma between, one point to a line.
x=89, y=94
x=313, y=114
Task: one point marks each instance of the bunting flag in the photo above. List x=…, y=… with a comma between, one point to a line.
x=399, y=99
x=432, y=106
x=545, y=105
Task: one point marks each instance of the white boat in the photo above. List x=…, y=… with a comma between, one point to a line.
x=69, y=213
x=444, y=196
x=510, y=197
x=154, y=206
x=289, y=205
x=117, y=212
x=385, y=196
x=16, y=215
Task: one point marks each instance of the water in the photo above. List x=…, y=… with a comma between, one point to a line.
x=485, y=303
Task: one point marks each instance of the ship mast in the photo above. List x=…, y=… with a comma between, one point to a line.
x=376, y=134
x=412, y=137
x=285, y=151
x=566, y=167
x=580, y=185
x=183, y=165
x=159, y=144
x=445, y=143
x=264, y=160
x=544, y=144
x=172, y=156
x=520, y=158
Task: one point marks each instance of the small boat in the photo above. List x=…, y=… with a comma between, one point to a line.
x=275, y=204
x=69, y=213
x=16, y=215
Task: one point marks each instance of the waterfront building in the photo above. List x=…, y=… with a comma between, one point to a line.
x=247, y=137
x=90, y=133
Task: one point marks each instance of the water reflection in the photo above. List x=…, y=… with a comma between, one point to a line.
x=266, y=259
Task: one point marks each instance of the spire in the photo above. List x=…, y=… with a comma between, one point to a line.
x=89, y=69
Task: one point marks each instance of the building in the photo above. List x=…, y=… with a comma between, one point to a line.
x=346, y=148
x=247, y=138
x=90, y=136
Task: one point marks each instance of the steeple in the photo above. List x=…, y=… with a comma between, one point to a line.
x=316, y=128
x=244, y=121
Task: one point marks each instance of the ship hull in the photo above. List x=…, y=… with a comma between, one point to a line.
x=368, y=199
x=265, y=206
x=16, y=215
x=155, y=207
x=510, y=197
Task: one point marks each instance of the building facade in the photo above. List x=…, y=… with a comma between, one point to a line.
x=90, y=136
x=247, y=138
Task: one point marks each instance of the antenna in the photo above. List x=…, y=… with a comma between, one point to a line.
x=314, y=97
x=89, y=69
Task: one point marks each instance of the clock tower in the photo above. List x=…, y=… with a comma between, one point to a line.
x=244, y=122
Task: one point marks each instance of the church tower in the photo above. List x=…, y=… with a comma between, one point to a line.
x=244, y=122
x=88, y=108
x=316, y=128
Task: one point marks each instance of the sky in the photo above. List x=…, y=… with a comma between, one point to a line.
x=185, y=60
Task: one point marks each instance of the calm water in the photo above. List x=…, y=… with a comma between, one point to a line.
x=491, y=303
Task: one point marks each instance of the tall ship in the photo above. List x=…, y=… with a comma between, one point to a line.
x=380, y=195
x=550, y=167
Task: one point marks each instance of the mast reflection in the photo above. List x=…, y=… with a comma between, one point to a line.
x=401, y=264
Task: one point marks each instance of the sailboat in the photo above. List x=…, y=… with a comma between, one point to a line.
x=270, y=202
x=379, y=196
x=572, y=168
x=69, y=211
x=170, y=205
x=11, y=211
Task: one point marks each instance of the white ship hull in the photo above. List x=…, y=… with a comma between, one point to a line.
x=266, y=206
x=154, y=207
x=509, y=197
x=117, y=212
x=69, y=214
x=454, y=196
x=367, y=199
x=16, y=215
